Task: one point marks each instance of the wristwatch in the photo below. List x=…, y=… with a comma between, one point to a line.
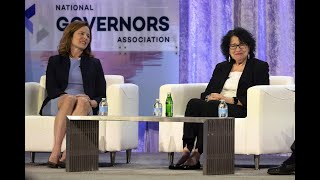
x=235, y=100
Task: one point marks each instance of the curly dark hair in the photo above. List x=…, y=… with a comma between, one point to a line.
x=65, y=41
x=244, y=36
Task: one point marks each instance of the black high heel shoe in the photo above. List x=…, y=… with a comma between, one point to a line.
x=192, y=167
x=193, y=162
x=180, y=162
x=62, y=164
x=52, y=164
x=283, y=169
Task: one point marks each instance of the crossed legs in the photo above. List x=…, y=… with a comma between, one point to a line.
x=67, y=105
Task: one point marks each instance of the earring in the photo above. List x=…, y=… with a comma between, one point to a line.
x=248, y=56
x=229, y=59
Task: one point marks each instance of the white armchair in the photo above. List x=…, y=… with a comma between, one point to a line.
x=123, y=100
x=268, y=128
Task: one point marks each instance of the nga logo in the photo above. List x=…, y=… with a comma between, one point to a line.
x=30, y=12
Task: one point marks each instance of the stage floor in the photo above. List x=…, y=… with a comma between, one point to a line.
x=146, y=166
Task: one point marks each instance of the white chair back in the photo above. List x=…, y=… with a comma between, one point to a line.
x=281, y=80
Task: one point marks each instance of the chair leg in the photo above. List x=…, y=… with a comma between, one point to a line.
x=128, y=153
x=112, y=157
x=256, y=161
x=32, y=156
x=171, y=157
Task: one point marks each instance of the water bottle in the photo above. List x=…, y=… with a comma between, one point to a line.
x=157, y=108
x=103, y=107
x=169, y=105
x=223, y=109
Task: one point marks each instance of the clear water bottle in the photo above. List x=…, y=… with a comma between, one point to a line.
x=223, y=109
x=169, y=105
x=103, y=107
x=157, y=108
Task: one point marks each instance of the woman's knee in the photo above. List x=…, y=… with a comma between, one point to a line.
x=83, y=103
x=194, y=107
x=194, y=102
x=67, y=100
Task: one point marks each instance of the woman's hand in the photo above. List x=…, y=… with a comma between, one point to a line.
x=93, y=103
x=85, y=96
x=215, y=96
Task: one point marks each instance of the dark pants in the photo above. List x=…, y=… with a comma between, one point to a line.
x=201, y=108
x=292, y=158
x=293, y=147
x=293, y=155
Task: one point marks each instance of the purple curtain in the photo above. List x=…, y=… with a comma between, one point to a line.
x=204, y=22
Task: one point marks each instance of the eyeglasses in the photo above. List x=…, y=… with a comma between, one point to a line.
x=234, y=46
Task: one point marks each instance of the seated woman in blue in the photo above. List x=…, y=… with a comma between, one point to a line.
x=75, y=84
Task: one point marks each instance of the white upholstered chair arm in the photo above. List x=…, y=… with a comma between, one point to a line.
x=31, y=98
x=113, y=79
x=270, y=121
x=123, y=100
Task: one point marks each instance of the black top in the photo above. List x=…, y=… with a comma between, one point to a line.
x=255, y=72
x=57, y=75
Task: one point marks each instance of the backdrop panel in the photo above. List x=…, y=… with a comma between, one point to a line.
x=136, y=39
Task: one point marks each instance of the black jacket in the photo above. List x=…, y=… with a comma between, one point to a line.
x=57, y=74
x=255, y=72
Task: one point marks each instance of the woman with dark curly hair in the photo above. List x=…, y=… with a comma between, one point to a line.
x=75, y=84
x=230, y=81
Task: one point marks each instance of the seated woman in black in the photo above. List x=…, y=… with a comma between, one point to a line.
x=230, y=81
